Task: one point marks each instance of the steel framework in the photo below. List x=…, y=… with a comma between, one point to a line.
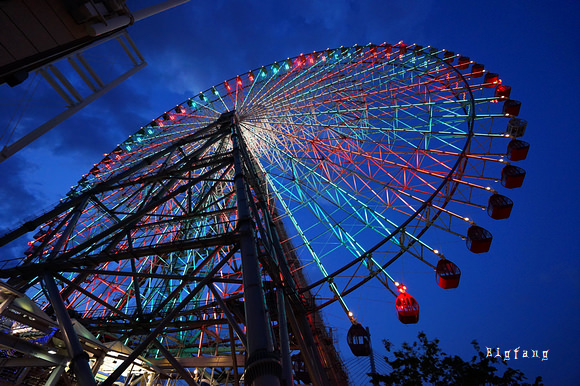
x=204, y=247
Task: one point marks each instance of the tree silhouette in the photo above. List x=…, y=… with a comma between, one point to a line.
x=424, y=362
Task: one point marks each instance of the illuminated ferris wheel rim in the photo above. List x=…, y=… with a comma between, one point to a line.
x=428, y=51
x=192, y=130
x=470, y=119
x=351, y=51
x=303, y=60
x=314, y=58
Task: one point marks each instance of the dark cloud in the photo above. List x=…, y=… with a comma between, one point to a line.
x=18, y=195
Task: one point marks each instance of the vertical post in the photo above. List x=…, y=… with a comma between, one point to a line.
x=308, y=348
x=263, y=366
x=284, y=339
x=79, y=359
x=372, y=359
x=312, y=358
x=54, y=376
x=185, y=375
x=236, y=381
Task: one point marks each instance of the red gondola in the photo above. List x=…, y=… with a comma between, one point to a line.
x=477, y=70
x=31, y=250
x=499, y=207
x=517, y=150
x=511, y=108
x=463, y=62
x=448, y=56
x=407, y=308
x=478, y=239
x=447, y=274
x=402, y=49
x=491, y=79
x=512, y=176
x=40, y=234
x=502, y=91
x=359, y=340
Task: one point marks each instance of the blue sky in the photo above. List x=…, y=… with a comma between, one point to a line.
x=523, y=293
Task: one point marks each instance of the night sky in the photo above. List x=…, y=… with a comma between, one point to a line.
x=523, y=293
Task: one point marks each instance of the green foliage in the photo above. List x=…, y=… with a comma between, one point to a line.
x=424, y=362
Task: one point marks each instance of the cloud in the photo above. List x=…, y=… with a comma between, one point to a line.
x=189, y=49
x=18, y=197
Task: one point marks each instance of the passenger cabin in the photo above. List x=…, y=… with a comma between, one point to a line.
x=512, y=176
x=402, y=49
x=516, y=127
x=517, y=150
x=407, y=308
x=477, y=70
x=478, y=239
x=490, y=79
x=511, y=108
x=447, y=274
x=463, y=63
x=503, y=91
x=359, y=340
x=499, y=207
x=448, y=57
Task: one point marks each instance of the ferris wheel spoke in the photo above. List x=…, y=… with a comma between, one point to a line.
x=337, y=229
x=307, y=242
x=90, y=297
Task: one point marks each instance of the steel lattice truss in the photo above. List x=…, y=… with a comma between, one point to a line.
x=348, y=157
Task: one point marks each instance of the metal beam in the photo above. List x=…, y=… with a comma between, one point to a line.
x=263, y=366
x=32, y=349
x=228, y=315
x=155, y=9
x=203, y=362
x=80, y=359
x=55, y=376
x=185, y=375
x=20, y=144
x=115, y=182
x=153, y=334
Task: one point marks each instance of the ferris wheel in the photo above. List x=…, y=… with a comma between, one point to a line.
x=331, y=168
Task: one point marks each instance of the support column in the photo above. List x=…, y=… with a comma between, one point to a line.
x=185, y=375
x=236, y=381
x=295, y=313
x=54, y=376
x=284, y=339
x=372, y=359
x=79, y=359
x=263, y=366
